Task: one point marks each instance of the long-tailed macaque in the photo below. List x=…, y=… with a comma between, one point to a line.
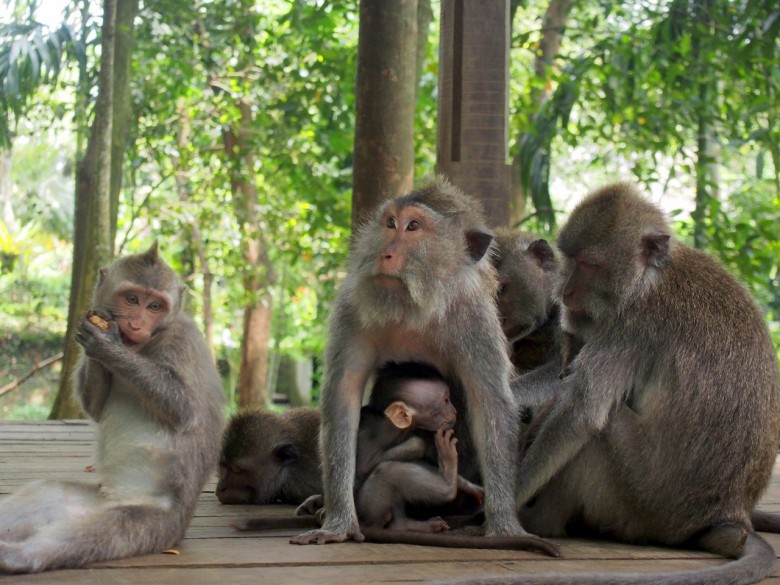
x=527, y=271
x=269, y=458
x=666, y=430
x=149, y=381
x=420, y=287
x=406, y=457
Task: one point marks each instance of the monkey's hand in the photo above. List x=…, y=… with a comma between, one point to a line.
x=448, y=456
x=331, y=531
x=311, y=506
x=96, y=341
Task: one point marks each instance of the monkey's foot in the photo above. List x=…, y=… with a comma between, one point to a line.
x=325, y=537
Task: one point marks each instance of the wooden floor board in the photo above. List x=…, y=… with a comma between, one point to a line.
x=214, y=552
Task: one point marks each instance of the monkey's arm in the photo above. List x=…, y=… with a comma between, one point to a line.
x=539, y=385
x=581, y=412
x=410, y=450
x=155, y=381
x=350, y=360
x=483, y=368
x=91, y=386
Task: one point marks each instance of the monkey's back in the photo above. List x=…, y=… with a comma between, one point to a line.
x=710, y=405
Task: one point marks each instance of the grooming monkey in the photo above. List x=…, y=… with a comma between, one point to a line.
x=420, y=288
x=666, y=430
x=149, y=381
x=269, y=458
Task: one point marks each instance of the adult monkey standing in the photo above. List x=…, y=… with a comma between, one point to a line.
x=667, y=427
x=149, y=381
x=420, y=288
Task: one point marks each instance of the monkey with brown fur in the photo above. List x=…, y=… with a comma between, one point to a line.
x=150, y=383
x=666, y=430
x=269, y=458
x=420, y=287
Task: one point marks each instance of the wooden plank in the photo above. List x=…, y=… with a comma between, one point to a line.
x=213, y=551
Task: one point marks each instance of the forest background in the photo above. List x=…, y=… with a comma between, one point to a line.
x=231, y=133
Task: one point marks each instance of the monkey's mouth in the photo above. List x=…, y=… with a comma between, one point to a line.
x=516, y=331
x=128, y=341
x=388, y=280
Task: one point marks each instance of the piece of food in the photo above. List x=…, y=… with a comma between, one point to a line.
x=98, y=321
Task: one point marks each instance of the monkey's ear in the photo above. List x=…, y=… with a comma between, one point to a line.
x=477, y=244
x=655, y=249
x=151, y=254
x=102, y=275
x=400, y=414
x=285, y=454
x=542, y=253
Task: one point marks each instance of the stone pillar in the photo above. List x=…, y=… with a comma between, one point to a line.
x=473, y=135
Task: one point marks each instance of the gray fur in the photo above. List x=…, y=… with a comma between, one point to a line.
x=159, y=415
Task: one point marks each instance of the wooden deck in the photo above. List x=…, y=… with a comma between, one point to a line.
x=213, y=552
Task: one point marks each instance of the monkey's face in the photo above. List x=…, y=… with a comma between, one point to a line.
x=139, y=313
x=431, y=402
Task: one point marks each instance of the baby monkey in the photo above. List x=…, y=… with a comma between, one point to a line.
x=398, y=462
x=406, y=453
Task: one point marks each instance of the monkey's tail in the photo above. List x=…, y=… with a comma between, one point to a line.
x=529, y=542
x=765, y=521
x=757, y=561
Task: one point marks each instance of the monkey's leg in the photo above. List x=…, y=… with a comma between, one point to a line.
x=41, y=503
x=99, y=534
x=381, y=501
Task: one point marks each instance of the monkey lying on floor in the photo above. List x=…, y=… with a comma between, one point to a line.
x=149, y=381
x=270, y=457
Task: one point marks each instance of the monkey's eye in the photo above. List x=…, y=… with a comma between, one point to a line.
x=502, y=289
x=390, y=223
x=131, y=299
x=413, y=226
x=155, y=306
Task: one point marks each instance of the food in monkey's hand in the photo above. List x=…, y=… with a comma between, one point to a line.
x=98, y=321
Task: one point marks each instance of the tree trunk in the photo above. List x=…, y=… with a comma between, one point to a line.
x=383, y=158
x=258, y=275
x=91, y=242
x=195, y=241
x=126, y=11
x=553, y=25
x=706, y=173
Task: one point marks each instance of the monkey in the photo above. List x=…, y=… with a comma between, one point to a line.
x=150, y=383
x=401, y=460
x=665, y=431
x=269, y=458
x=420, y=287
x=526, y=267
x=394, y=465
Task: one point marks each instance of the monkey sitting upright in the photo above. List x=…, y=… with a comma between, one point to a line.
x=666, y=429
x=149, y=381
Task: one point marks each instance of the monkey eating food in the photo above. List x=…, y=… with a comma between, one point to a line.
x=148, y=380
